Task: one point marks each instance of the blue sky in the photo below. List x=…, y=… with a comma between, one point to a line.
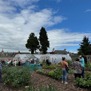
x=66, y=22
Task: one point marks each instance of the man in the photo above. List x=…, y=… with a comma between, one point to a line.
x=82, y=64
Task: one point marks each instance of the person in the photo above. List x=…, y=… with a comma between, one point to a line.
x=85, y=59
x=15, y=62
x=0, y=72
x=19, y=63
x=48, y=62
x=64, y=64
x=81, y=59
x=77, y=68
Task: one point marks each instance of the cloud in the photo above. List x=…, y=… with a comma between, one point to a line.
x=15, y=6
x=5, y=7
x=59, y=1
x=14, y=31
x=88, y=10
x=62, y=38
x=15, y=26
x=23, y=3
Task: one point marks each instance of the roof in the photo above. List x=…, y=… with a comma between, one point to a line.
x=60, y=52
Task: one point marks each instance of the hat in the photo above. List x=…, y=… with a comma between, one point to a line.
x=80, y=56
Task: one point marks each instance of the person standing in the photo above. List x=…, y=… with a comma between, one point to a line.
x=77, y=68
x=82, y=64
x=85, y=59
x=64, y=64
x=0, y=72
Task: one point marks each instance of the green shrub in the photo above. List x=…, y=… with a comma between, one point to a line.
x=57, y=73
x=71, y=71
x=84, y=82
x=16, y=76
x=49, y=66
x=88, y=66
x=69, y=62
x=41, y=71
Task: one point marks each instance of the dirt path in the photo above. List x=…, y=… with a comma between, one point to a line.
x=38, y=80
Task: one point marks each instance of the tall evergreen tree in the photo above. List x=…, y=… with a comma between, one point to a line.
x=32, y=43
x=85, y=47
x=43, y=38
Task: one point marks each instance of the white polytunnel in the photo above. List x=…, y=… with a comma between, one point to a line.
x=53, y=58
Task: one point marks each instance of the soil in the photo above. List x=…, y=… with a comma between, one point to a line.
x=39, y=80
x=42, y=80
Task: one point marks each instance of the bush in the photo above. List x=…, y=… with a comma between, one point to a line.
x=49, y=66
x=57, y=73
x=84, y=82
x=16, y=76
x=88, y=66
x=69, y=63
x=71, y=71
x=41, y=71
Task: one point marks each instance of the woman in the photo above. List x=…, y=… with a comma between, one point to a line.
x=77, y=68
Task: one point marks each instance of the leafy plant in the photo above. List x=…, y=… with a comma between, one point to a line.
x=71, y=71
x=41, y=71
x=88, y=66
x=16, y=76
x=57, y=73
x=69, y=63
x=84, y=82
x=49, y=66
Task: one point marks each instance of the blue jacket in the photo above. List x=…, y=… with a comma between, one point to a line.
x=82, y=62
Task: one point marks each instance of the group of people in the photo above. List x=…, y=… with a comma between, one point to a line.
x=78, y=66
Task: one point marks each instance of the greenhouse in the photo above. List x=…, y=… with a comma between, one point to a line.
x=53, y=58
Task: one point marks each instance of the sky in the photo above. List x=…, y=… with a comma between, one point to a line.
x=66, y=23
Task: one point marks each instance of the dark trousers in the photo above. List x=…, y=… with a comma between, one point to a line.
x=82, y=72
x=0, y=75
x=77, y=75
